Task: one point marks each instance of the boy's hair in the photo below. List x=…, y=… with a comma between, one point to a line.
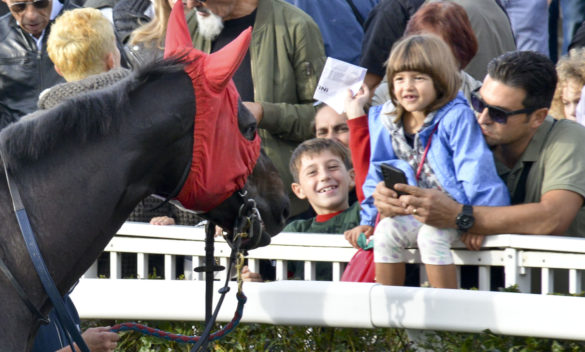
x=529, y=70
x=152, y=34
x=449, y=21
x=428, y=54
x=314, y=147
x=79, y=42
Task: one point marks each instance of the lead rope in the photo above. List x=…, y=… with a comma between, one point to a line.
x=199, y=340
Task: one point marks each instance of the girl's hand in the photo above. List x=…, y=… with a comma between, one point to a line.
x=354, y=104
x=352, y=235
x=387, y=202
x=472, y=241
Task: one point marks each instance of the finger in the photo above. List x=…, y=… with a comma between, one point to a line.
x=412, y=190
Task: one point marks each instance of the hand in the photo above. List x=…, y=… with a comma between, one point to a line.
x=387, y=202
x=218, y=231
x=256, y=109
x=352, y=235
x=250, y=276
x=472, y=241
x=162, y=220
x=100, y=339
x=430, y=206
x=354, y=104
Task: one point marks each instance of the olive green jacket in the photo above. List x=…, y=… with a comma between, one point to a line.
x=287, y=56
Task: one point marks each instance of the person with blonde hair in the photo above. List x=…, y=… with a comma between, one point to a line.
x=571, y=79
x=82, y=43
x=148, y=40
x=428, y=132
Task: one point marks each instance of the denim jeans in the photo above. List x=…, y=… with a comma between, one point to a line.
x=573, y=14
x=529, y=20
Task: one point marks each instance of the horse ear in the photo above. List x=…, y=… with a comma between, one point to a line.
x=177, y=31
x=221, y=65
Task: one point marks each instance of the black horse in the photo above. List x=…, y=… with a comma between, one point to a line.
x=82, y=167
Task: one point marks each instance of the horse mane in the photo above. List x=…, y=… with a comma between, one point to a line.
x=81, y=118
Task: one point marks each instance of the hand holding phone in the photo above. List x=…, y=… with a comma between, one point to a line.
x=392, y=176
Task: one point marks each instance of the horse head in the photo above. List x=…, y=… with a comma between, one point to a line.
x=228, y=172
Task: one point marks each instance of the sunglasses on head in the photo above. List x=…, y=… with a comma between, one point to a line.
x=21, y=6
x=497, y=114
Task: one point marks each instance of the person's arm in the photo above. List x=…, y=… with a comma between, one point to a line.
x=552, y=215
x=359, y=144
x=359, y=136
x=292, y=120
x=385, y=25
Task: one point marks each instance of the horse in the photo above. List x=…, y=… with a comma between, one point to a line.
x=82, y=166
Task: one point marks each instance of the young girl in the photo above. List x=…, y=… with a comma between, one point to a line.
x=429, y=132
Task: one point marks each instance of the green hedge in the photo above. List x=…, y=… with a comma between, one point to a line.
x=262, y=337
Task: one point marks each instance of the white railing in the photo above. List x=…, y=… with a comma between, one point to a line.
x=339, y=304
x=342, y=304
x=519, y=255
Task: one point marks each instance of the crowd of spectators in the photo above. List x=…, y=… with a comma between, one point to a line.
x=500, y=51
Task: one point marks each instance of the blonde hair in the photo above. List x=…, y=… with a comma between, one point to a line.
x=570, y=67
x=79, y=43
x=428, y=54
x=152, y=34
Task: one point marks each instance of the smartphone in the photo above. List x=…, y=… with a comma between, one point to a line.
x=392, y=176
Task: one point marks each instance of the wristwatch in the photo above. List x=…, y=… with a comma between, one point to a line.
x=465, y=219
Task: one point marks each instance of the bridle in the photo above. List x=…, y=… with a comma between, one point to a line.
x=247, y=222
x=246, y=225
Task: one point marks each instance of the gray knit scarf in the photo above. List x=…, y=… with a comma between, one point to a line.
x=55, y=95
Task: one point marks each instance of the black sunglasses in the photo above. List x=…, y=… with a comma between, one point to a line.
x=21, y=6
x=498, y=115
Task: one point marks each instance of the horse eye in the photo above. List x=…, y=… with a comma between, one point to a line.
x=250, y=131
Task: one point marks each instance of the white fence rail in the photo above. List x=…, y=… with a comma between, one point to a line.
x=556, y=258
x=344, y=304
x=339, y=304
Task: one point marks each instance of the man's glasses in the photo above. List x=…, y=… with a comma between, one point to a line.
x=21, y=6
x=498, y=115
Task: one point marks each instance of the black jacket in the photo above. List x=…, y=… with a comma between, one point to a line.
x=24, y=71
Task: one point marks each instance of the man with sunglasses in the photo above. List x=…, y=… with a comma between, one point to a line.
x=540, y=159
x=25, y=67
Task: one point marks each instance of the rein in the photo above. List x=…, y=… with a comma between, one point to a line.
x=244, y=227
x=71, y=332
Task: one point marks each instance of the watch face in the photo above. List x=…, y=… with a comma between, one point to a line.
x=465, y=222
x=465, y=219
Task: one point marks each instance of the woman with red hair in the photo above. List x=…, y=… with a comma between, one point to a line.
x=450, y=22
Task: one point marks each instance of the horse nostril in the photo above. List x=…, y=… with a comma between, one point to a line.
x=285, y=212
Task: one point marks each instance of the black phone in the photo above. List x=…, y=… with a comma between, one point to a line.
x=392, y=176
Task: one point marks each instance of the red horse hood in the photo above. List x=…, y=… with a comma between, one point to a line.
x=222, y=157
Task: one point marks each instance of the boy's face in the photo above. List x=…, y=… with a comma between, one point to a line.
x=324, y=182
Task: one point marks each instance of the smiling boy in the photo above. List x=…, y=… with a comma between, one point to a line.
x=323, y=175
